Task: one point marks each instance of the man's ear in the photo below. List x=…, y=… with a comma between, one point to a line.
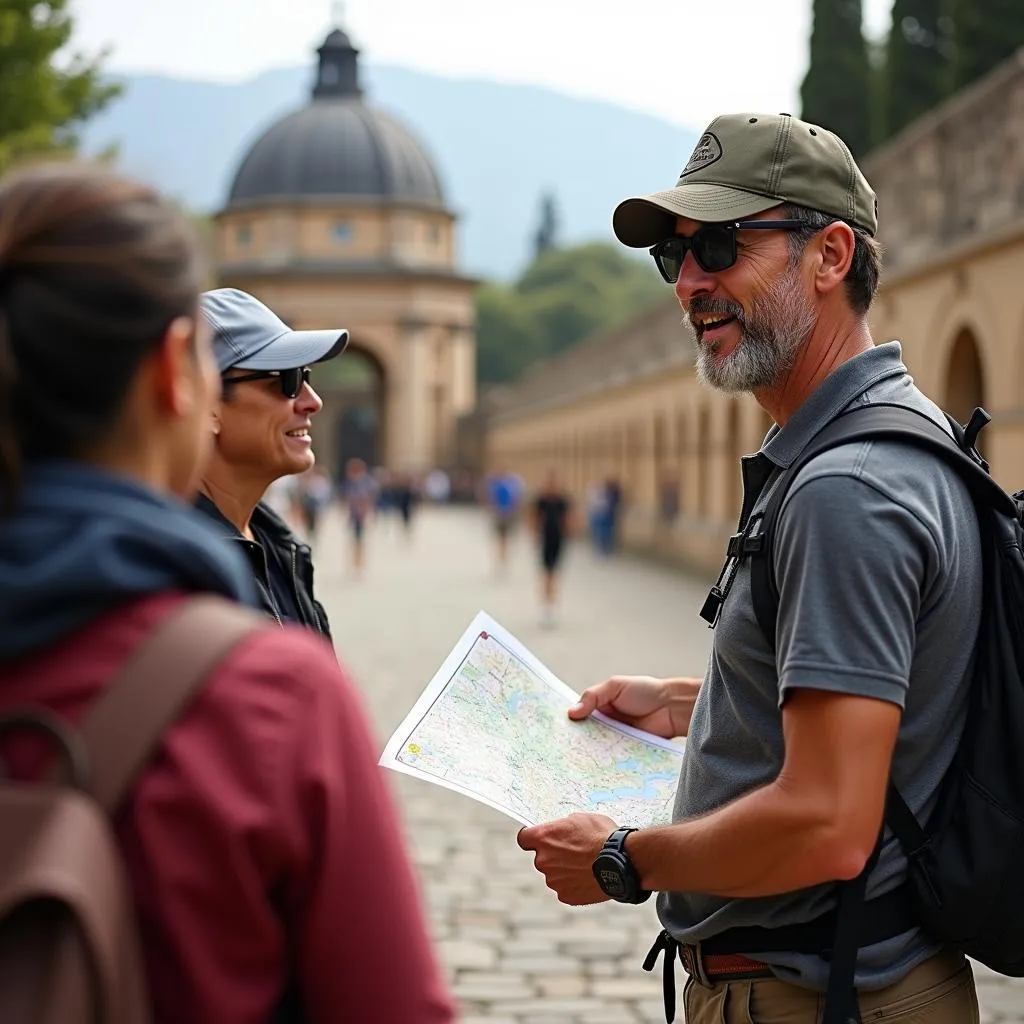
x=835, y=247
x=174, y=367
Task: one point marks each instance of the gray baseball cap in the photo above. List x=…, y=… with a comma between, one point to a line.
x=248, y=335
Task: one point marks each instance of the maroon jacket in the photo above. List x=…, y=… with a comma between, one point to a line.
x=262, y=831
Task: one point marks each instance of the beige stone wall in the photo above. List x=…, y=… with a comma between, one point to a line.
x=627, y=404
x=341, y=231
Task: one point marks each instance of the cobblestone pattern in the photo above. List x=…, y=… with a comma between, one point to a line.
x=514, y=955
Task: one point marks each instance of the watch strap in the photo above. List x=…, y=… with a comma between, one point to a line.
x=617, y=840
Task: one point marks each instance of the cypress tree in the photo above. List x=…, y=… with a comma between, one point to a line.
x=986, y=33
x=918, y=61
x=545, y=238
x=836, y=91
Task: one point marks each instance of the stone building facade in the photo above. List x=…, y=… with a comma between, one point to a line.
x=336, y=218
x=627, y=403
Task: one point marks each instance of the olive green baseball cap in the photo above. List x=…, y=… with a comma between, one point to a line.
x=747, y=163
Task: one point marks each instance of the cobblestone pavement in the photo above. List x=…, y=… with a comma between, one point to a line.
x=513, y=953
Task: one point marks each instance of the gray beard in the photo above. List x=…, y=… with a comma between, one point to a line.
x=772, y=335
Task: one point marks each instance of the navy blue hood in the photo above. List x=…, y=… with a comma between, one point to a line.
x=81, y=541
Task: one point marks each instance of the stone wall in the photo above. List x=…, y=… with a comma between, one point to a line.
x=956, y=175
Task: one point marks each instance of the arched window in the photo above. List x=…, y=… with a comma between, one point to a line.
x=703, y=460
x=734, y=452
x=965, y=377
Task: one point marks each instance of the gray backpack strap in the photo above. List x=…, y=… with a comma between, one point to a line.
x=127, y=721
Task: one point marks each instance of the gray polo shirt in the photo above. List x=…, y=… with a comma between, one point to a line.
x=878, y=560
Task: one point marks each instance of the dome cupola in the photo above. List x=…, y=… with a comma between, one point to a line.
x=337, y=147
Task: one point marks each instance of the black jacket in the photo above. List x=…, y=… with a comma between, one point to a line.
x=289, y=560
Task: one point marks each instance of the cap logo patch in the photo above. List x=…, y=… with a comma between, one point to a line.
x=707, y=151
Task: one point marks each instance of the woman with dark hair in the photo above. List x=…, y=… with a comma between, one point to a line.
x=261, y=845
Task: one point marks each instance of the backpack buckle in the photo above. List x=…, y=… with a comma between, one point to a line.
x=742, y=545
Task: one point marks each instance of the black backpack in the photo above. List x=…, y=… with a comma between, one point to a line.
x=965, y=884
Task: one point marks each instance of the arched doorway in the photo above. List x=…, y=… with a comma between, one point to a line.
x=734, y=449
x=355, y=388
x=965, y=377
x=703, y=460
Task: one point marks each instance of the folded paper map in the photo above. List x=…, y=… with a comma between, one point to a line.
x=492, y=725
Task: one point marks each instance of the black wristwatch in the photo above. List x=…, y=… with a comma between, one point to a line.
x=615, y=873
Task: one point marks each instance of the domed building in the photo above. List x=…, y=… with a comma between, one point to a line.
x=337, y=217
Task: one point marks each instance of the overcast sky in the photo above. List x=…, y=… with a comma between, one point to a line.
x=683, y=60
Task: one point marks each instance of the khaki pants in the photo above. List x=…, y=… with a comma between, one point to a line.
x=939, y=991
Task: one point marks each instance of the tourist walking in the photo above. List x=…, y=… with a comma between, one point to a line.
x=864, y=674
x=552, y=511
x=404, y=496
x=359, y=493
x=503, y=494
x=313, y=493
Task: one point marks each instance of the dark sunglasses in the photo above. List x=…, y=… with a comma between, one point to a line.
x=291, y=380
x=713, y=246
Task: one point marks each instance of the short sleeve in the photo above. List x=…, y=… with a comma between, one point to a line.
x=850, y=562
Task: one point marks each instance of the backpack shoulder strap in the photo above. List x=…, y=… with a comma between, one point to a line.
x=881, y=422
x=151, y=690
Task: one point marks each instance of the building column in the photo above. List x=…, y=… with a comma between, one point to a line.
x=462, y=342
x=412, y=413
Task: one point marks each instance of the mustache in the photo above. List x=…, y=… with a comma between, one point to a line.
x=712, y=306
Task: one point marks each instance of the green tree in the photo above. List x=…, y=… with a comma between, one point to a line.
x=563, y=297
x=43, y=99
x=918, y=61
x=877, y=54
x=507, y=334
x=836, y=91
x=986, y=33
x=545, y=238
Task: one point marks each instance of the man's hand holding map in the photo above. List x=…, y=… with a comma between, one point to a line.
x=493, y=725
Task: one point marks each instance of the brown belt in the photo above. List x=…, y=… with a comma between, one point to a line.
x=710, y=968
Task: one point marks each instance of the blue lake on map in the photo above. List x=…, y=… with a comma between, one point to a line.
x=647, y=791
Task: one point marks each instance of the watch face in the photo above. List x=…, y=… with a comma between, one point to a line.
x=609, y=876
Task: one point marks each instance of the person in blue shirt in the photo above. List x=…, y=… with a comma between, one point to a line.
x=503, y=494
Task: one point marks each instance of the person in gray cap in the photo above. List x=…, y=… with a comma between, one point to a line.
x=862, y=676
x=262, y=433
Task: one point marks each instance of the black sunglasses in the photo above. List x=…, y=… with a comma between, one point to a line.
x=291, y=380
x=713, y=246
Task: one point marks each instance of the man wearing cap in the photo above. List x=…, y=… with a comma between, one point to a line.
x=768, y=240
x=262, y=433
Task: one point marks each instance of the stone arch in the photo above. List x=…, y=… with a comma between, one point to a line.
x=618, y=451
x=1016, y=353
x=681, y=456
x=666, y=474
x=703, y=459
x=734, y=452
x=636, y=458
x=959, y=312
x=965, y=376
x=679, y=448
x=355, y=389
x=661, y=441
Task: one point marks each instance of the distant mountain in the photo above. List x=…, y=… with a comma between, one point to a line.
x=497, y=147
